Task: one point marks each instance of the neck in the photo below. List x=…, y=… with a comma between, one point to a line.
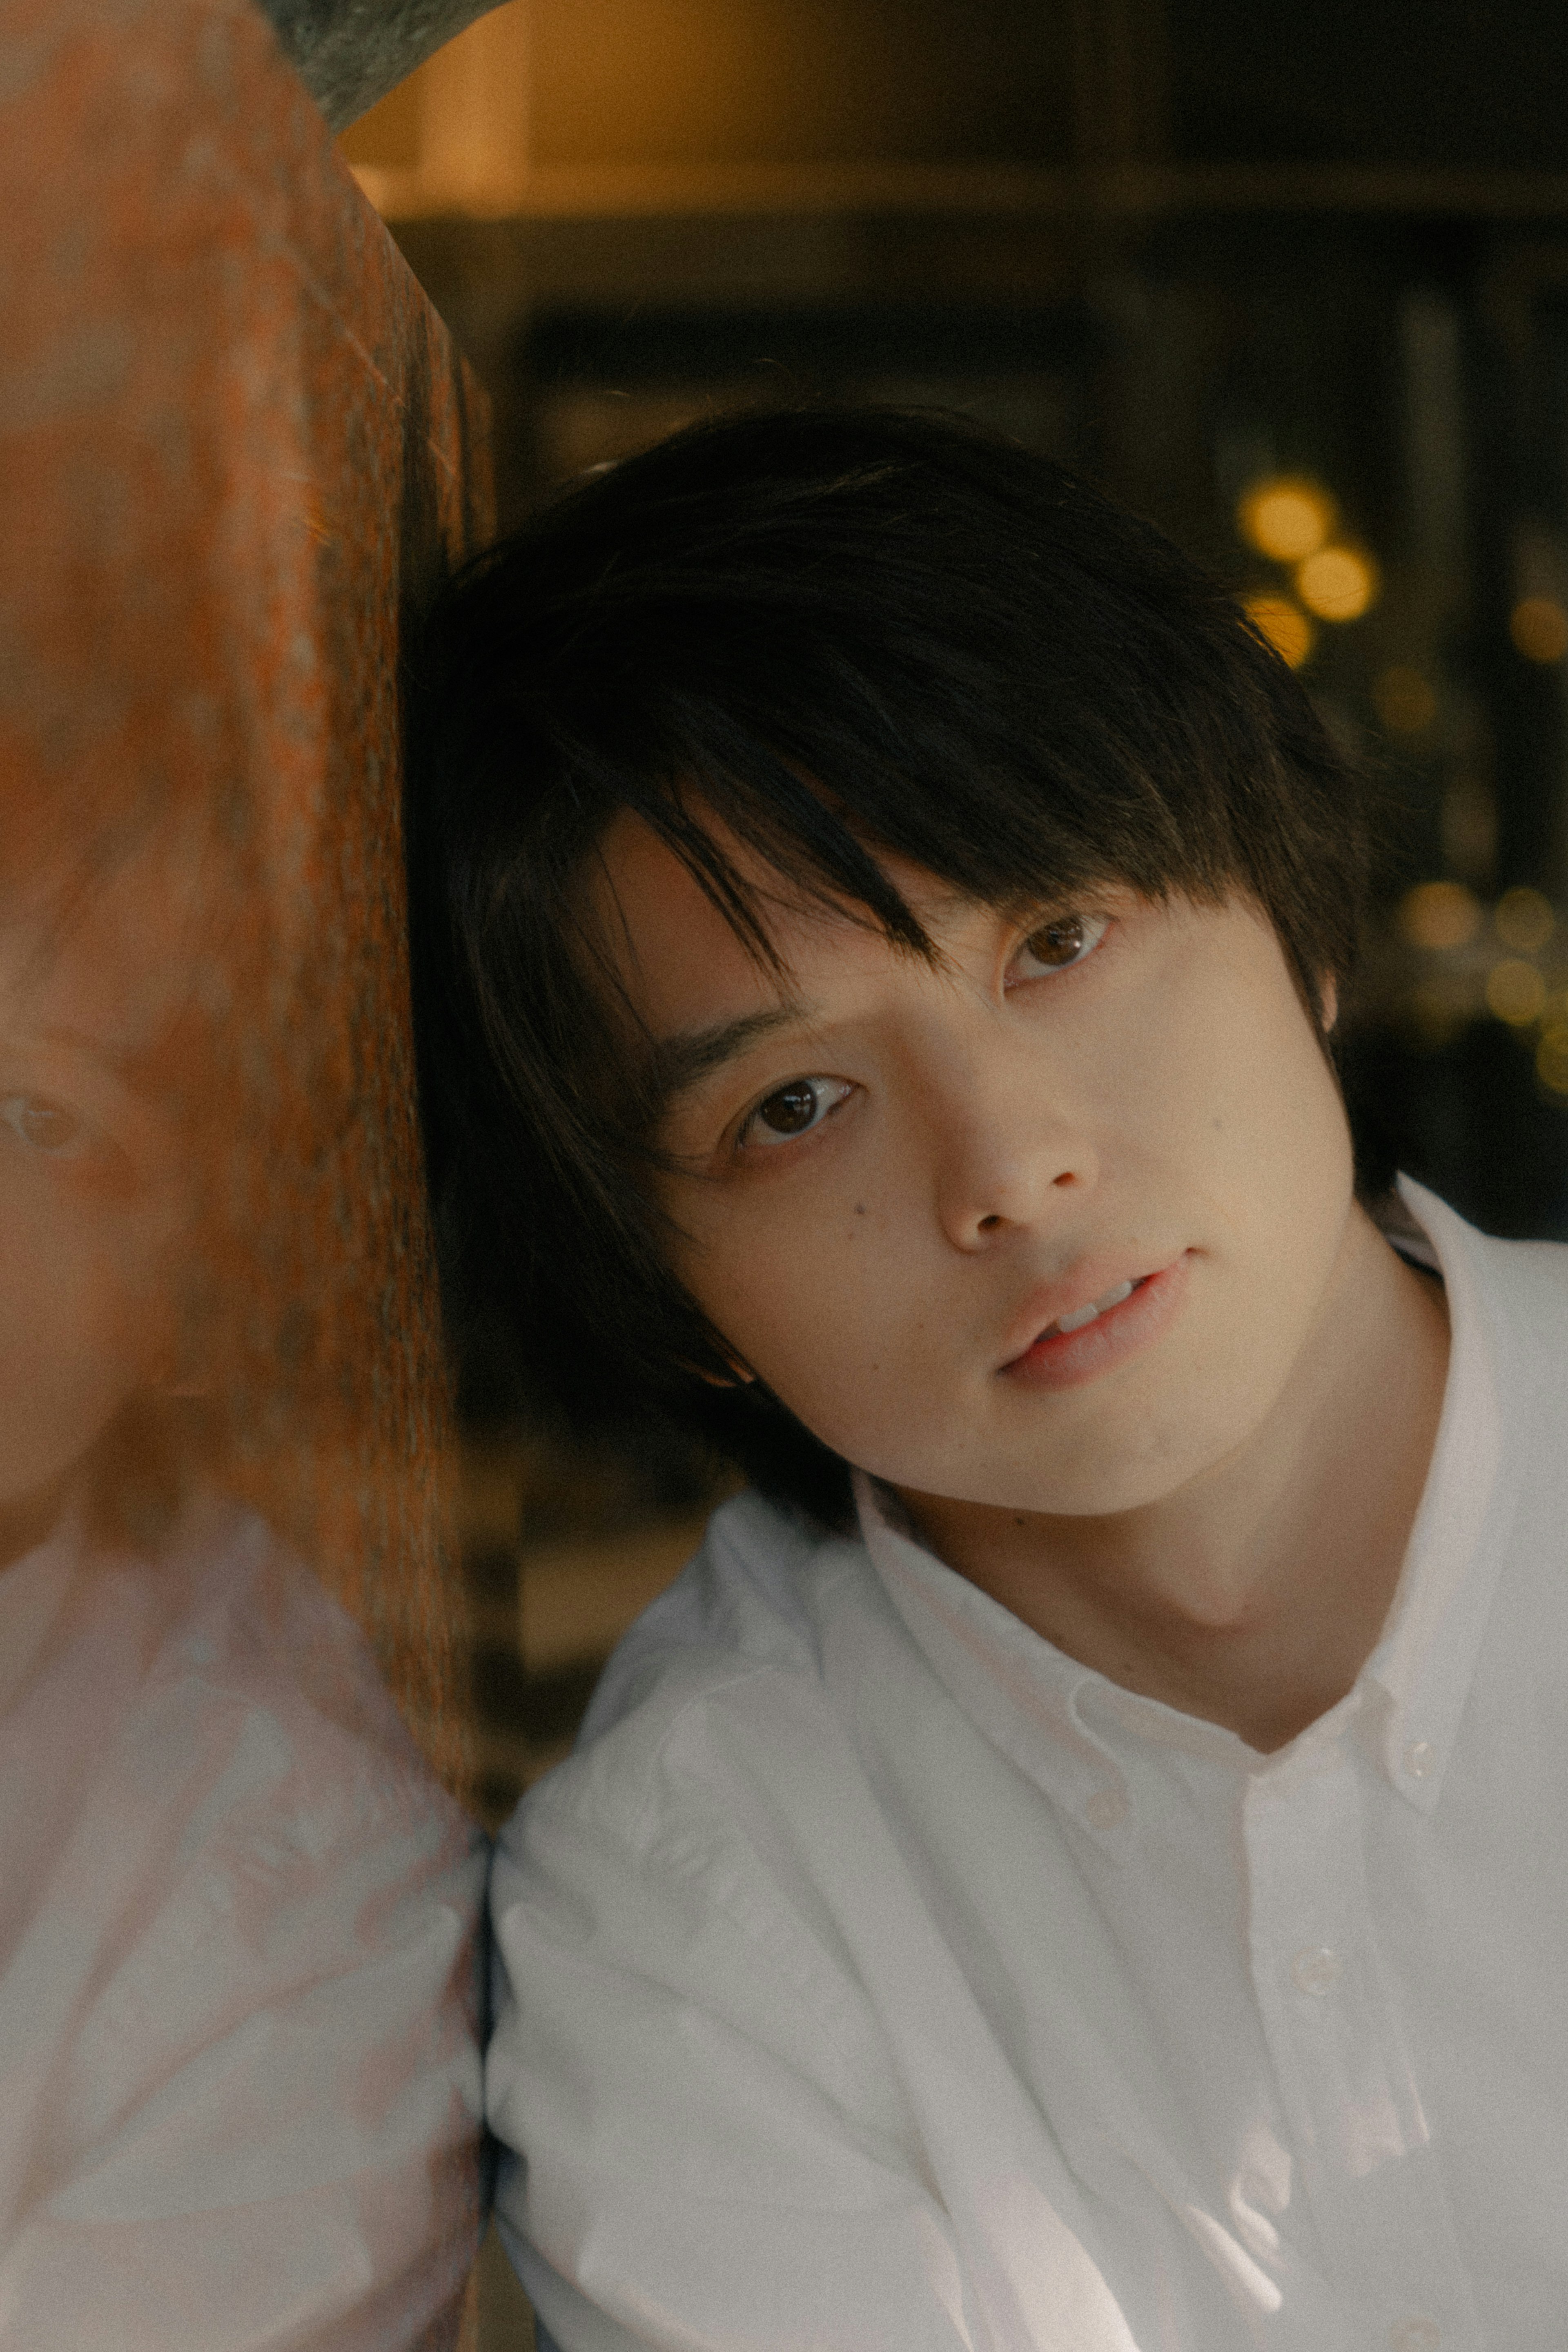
x=1252, y=1595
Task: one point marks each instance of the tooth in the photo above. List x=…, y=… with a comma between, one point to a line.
x=1077, y=1319
x=1113, y=1297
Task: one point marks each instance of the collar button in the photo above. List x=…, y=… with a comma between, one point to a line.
x=1317, y=1971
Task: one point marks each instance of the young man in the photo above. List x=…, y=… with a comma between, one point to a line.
x=239, y=2064
x=1069, y=1864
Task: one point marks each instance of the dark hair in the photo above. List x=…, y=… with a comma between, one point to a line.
x=830, y=630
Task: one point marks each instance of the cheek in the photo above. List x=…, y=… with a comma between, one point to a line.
x=1233, y=1077
x=65, y=1370
x=1286, y=1121
x=1259, y=1138
x=84, y=1287
x=826, y=1308
x=842, y=1320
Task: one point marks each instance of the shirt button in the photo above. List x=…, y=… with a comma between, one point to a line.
x=1415, y=2336
x=1419, y=1759
x=1319, y=1971
x=1107, y=1809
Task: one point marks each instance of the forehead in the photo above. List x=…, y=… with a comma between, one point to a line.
x=102, y=965
x=681, y=963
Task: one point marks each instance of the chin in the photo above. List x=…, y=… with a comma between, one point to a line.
x=1100, y=1481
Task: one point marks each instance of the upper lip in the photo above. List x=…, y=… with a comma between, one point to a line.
x=1091, y=1279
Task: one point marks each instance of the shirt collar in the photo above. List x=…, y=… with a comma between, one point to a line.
x=1425, y=1662
x=1055, y=1719
x=1014, y=1686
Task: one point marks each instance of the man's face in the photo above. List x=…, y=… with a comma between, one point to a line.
x=93, y=1185
x=895, y=1183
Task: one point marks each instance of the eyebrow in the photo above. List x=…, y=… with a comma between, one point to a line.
x=121, y=1070
x=124, y=1066
x=683, y=1060
x=118, y=1059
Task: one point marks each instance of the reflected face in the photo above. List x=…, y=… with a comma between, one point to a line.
x=92, y=1188
x=902, y=1190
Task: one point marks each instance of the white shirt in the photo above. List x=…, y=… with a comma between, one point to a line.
x=881, y=1978
x=239, y=2070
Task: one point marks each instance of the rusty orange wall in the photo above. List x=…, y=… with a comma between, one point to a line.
x=234, y=445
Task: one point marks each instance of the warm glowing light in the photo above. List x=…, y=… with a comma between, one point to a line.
x=1337, y=583
x=1284, y=625
x=1539, y=627
x=1523, y=921
x=1515, y=991
x=1285, y=517
x=1405, y=699
x=1551, y=1060
x=1439, y=915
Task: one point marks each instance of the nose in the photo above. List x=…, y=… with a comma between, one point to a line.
x=1008, y=1156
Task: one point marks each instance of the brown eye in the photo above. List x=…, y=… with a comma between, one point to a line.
x=791, y=1110
x=795, y=1109
x=1065, y=939
x=1058, y=943
x=46, y=1126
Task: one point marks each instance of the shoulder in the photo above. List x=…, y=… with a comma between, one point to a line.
x=1516, y=1291
x=244, y=1613
x=228, y=1692
x=718, y=1781
x=742, y=1638
x=751, y=1597
x=1526, y=1284
x=683, y=1861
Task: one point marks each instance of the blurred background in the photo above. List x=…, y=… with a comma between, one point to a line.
x=1292, y=281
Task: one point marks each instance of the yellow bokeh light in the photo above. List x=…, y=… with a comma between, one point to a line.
x=1337, y=583
x=1523, y=921
x=1406, y=701
x=1539, y=627
x=1551, y=1060
x=1286, y=518
x=1515, y=991
x=1284, y=625
x=1439, y=915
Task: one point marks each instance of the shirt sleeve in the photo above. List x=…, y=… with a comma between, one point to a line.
x=709, y=2146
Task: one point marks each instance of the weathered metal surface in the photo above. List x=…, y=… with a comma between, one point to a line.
x=235, y=445
x=351, y=52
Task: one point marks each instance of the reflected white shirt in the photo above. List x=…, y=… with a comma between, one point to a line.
x=881, y=1978
x=239, y=2075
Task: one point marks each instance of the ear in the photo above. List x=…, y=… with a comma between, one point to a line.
x=1328, y=998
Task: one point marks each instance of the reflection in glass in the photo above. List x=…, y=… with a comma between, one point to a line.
x=237, y=1998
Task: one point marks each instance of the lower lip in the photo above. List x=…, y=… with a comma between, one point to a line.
x=1069, y=1359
